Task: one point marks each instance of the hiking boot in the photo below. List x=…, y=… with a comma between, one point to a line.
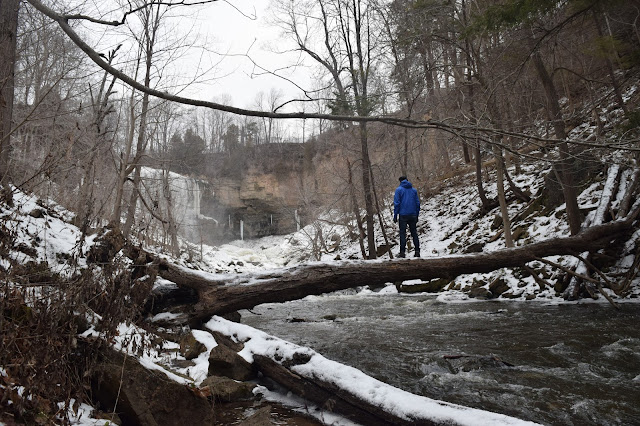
x=401, y=254
x=416, y=253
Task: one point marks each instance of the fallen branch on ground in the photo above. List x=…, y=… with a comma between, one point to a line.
x=221, y=294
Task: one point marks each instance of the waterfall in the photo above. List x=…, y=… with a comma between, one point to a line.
x=181, y=194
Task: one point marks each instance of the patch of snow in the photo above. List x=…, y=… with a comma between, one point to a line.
x=200, y=371
x=82, y=415
x=165, y=316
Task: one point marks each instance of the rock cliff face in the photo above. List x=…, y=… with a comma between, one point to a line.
x=258, y=191
x=256, y=205
x=258, y=194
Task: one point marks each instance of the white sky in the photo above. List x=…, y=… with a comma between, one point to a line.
x=239, y=28
x=230, y=39
x=223, y=34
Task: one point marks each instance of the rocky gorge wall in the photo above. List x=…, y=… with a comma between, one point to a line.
x=256, y=205
x=263, y=190
x=259, y=193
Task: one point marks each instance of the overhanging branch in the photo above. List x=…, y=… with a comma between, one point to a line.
x=456, y=129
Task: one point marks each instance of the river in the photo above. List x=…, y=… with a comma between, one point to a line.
x=569, y=364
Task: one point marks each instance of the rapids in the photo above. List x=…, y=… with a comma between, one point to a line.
x=571, y=364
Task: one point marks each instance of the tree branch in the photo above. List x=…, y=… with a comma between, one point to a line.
x=460, y=130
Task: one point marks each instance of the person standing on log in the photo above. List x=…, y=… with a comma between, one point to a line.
x=406, y=208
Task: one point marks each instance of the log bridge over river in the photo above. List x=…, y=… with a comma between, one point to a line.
x=223, y=294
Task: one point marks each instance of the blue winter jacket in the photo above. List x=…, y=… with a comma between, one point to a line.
x=405, y=200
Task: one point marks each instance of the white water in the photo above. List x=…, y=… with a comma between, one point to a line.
x=181, y=192
x=572, y=364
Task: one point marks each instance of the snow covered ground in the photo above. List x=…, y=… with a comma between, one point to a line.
x=447, y=225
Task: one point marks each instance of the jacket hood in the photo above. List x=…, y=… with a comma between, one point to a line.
x=406, y=184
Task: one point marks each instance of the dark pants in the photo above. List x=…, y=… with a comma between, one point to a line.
x=410, y=220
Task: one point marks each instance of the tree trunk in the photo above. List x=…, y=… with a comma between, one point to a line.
x=506, y=222
x=383, y=228
x=486, y=203
x=327, y=394
x=625, y=204
x=125, y=155
x=612, y=75
x=8, y=37
x=405, y=153
x=152, y=22
x=565, y=165
x=356, y=212
x=219, y=295
x=465, y=153
x=172, y=228
x=366, y=187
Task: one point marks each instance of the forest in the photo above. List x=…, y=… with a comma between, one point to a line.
x=99, y=113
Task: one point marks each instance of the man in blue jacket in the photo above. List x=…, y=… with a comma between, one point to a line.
x=406, y=206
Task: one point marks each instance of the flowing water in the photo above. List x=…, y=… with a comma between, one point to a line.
x=571, y=364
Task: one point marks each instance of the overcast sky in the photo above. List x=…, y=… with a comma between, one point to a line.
x=239, y=28
x=231, y=39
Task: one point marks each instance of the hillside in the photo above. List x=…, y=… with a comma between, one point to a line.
x=54, y=274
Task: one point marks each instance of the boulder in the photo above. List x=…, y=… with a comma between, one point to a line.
x=190, y=348
x=478, y=290
x=37, y=213
x=145, y=397
x=474, y=248
x=498, y=286
x=383, y=249
x=224, y=361
x=497, y=222
x=227, y=390
x=480, y=293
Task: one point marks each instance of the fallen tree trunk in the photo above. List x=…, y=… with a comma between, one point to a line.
x=222, y=294
x=348, y=392
x=329, y=396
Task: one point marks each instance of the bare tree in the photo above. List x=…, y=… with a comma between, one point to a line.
x=270, y=102
x=218, y=122
x=8, y=42
x=151, y=18
x=346, y=51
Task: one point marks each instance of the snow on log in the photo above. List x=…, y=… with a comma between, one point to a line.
x=326, y=395
x=222, y=294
